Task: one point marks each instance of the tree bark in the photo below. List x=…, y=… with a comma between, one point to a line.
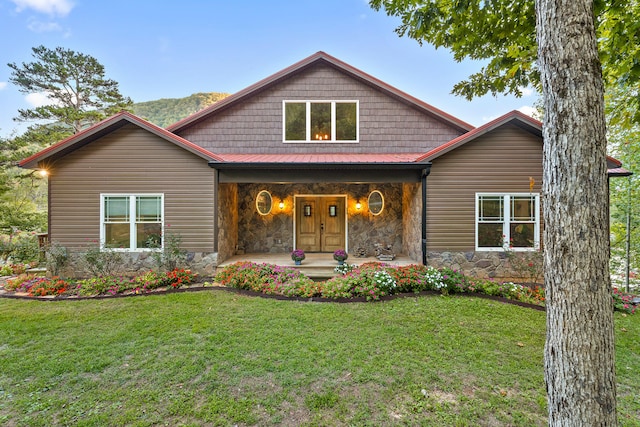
x=579, y=350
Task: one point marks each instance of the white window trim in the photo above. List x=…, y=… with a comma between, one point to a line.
x=506, y=229
x=132, y=221
x=308, y=121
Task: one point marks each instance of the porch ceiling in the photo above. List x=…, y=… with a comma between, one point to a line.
x=310, y=168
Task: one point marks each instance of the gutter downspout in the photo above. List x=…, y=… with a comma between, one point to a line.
x=216, y=178
x=425, y=174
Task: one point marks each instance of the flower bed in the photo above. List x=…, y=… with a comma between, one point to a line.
x=374, y=280
x=32, y=285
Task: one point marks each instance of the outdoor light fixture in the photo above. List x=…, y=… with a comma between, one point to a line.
x=43, y=172
x=281, y=205
x=358, y=205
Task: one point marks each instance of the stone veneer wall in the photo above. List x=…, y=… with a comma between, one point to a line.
x=133, y=263
x=273, y=233
x=227, y=220
x=484, y=265
x=412, y=220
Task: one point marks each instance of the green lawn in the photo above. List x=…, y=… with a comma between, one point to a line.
x=219, y=358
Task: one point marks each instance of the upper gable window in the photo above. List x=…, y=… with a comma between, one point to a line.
x=320, y=121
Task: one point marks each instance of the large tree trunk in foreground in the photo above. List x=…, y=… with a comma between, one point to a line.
x=579, y=350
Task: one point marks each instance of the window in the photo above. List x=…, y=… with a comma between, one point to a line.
x=131, y=222
x=507, y=221
x=327, y=121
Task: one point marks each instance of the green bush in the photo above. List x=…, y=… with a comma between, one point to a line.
x=101, y=262
x=20, y=247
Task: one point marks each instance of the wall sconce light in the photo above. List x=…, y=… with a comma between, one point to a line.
x=43, y=172
x=358, y=205
x=281, y=205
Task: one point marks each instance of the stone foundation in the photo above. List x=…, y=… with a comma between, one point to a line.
x=137, y=262
x=483, y=265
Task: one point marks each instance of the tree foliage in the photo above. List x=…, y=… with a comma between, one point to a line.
x=75, y=84
x=166, y=111
x=501, y=34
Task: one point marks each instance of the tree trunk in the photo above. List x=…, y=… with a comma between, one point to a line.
x=579, y=350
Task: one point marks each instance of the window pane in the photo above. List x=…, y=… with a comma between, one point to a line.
x=346, y=121
x=522, y=235
x=149, y=235
x=295, y=121
x=321, y=121
x=522, y=209
x=148, y=209
x=491, y=208
x=116, y=235
x=116, y=209
x=490, y=235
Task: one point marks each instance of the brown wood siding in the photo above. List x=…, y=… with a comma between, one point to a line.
x=132, y=161
x=386, y=124
x=499, y=162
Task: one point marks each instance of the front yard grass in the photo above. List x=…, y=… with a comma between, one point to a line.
x=220, y=358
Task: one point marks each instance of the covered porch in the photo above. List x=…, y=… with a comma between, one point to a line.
x=268, y=206
x=315, y=265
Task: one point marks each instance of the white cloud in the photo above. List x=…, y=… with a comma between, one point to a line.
x=529, y=111
x=38, y=99
x=43, y=27
x=526, y=91
x=3, y=85
x=50, y=7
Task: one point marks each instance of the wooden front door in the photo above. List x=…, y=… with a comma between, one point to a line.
x=320, y=223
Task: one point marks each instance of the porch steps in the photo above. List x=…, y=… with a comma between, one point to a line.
x=318, y=266
x=317, y=272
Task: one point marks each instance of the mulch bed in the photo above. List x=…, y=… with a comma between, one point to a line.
x=198, y=287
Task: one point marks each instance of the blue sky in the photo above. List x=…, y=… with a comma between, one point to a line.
x=171, y=49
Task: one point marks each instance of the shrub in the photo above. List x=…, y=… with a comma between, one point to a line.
x=20, y=247
x=103, y=285
x=454, y=281
x=11, y=269
x=268, y=279
x=171, y=256
x=623, y=301
x=43, y=286
x=344, y=268
x=526, y=265
x=410, y=278
x=179, y=277
x=150, y=280
x=101, y=262
x=56, y=257
x=16, y=283
x=434, y=280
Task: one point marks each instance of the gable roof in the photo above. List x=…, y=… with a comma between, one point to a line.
x=319, y=58
x=513, y=117
x=105, y=127
x=614, y=166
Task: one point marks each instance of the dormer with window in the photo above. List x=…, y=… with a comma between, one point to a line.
x=320, y=121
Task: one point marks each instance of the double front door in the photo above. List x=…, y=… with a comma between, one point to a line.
x=320, y=223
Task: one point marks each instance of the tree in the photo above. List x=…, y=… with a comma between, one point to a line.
x=503, y=33
x=579, y=350
x=75, y=84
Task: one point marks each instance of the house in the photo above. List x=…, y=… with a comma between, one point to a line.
x=319, y=156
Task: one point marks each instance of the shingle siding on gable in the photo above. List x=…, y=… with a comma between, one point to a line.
x=255, y=126
x=131, y=160
x=499, y=162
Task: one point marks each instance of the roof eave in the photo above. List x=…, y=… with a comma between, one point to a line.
x=319, y=165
